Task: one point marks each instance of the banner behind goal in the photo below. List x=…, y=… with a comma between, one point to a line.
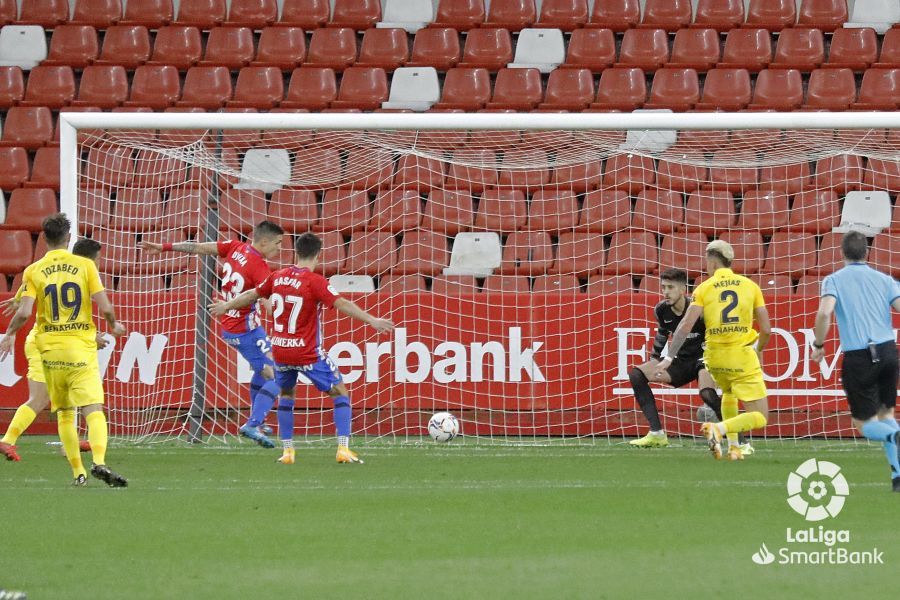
x=519, y=255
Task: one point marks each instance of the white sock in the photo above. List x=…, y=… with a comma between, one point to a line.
x=722, y=428
x=343, y=441
x=661, y=432
x=287, y=444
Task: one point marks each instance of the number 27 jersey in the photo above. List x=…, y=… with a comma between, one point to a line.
x=729, y=302
x=243, y=268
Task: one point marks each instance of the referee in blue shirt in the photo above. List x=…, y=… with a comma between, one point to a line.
x=862, y=298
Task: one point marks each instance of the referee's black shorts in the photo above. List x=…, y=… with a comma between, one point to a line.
x=871, y=386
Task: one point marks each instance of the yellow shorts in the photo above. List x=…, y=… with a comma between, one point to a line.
x=737, y=371
x=73, y=378
x=35, y=367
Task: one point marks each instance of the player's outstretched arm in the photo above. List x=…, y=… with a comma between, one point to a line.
x=823, y=324
x=210, y=248
x=217, y=309
x=18, y=320
x=349, y=308
x=105, y=307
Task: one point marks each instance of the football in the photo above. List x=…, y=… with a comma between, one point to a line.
x=443, y=427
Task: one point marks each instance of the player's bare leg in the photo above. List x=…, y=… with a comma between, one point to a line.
x=640, y=377
x=342, y=416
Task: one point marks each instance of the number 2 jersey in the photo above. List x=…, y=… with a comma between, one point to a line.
x=729, y=301
x=243, y=268
x=297, y=296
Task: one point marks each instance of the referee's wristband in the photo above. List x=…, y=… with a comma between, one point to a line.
x=817, y=345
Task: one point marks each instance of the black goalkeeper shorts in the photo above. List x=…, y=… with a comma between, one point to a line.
x=683, y=371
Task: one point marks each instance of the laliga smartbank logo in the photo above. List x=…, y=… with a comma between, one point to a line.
x=817, y=490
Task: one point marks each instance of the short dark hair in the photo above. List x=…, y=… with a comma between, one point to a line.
x=267, y=229
x=87, y=248
x=675, y=276
x=307, y=245
x=854, y=245
x=718, y=256
x=56, y=228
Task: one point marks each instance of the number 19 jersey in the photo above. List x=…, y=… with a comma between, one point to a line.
x=729, y=301
x=243, y=268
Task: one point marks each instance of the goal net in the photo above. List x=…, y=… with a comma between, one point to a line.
x=518, y=255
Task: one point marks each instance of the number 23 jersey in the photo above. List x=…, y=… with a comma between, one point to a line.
x=729, y=301
x=243, y=268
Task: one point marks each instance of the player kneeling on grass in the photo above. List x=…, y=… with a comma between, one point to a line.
x=38, y=399
x=686, y=369
x=297, y=295
x=729, y=303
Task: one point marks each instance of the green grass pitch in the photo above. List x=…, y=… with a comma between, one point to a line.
x=434, y=521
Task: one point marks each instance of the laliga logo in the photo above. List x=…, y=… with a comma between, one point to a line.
x=809, y=494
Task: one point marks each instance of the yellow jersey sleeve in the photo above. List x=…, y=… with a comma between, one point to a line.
x=28, y=287
x=93, y=278
x=758, y=300
x=699, y=291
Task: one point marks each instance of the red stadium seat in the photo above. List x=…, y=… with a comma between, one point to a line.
x=9, y=10
x=659, y=211
x=282, y=47
x=883, y=174
x=679, y=171
x=675, y=89
x=205, y=14
x=121, y=255
x=710, y=212
x=102, y=86
x=552, y=210
x=582, y=254
x=363, y=88
x=830, y=258
x=632, y=253
x=487, y=48
x=400, y=284
x=853, y=49
x=241, y=210
x=125, y=45
x=345, y=211
x=733, y=179
x=809, y=285
x=880, y=90
x=578, y=178
x=831, y=89
x=332, y=47
x=230, y=47
x=473, y=170
x=629, y=172
x=506, y=284
x=313, y=88
x=779, y=89
x=17, y=251
x=527, y=253
x=371, y=253
x=785, y=178
x=12, y=86
x=605, y=211
x=356, y=14
x=501, y=210
x=618, y=15
x=155, y=170
x=593, y=49
x=109, y=166
x=884, y=252
x=695, y=49
x=178, y=46
x=448, y=212
x=137, y=209
x=517, y=89
x=306, y=14
x=73, y=45
x=46, y=13
x=621, y=89
x=513, y=15
x=569, y=89
x=395, y=211
x=646, y=49
x=567, y=15
x=685, y=251
x=774, y=285
x=720, y=15
x=28, y=207
x=45, y=171
x=764, y=211
x=790, y=253
x=385, y=48
x=295, y=210
x=28, y=127
x=670, y=15
x=94, y=209
x=617, y=284
x=423, y=252
x=815, y=211
x=749, y=49
x=97, y=13
x=183, y=210
x=461, y=15
x=53, y=87
x=748, y=251
x=841, y=173
x=316, y=167
x=436, y=47
x=151, y=14
x=206, y=87
x=801, y=49
x=890, y=50
x=530, y=178
x=468, y=89
x=15, y=167
x=366, y=169
x=258, y=87
x=826, y=15
x=773, y=15
x=556, y=284
x=157, y=87
x=420, y=173
x=255, y=14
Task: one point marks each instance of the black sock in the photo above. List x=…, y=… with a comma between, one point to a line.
x=712, y=400
x=644, y=396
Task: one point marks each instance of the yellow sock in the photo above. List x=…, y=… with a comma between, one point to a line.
x=729, y=411
x=68, y=435
x=23, y=418
x=97, y=436
x=745, y=422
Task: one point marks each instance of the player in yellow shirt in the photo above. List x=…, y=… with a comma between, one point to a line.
x=729, y=304
x=65, y=287
x=38, y=399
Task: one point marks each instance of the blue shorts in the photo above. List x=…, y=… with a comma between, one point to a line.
x=323, y=374
x=253, y=346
